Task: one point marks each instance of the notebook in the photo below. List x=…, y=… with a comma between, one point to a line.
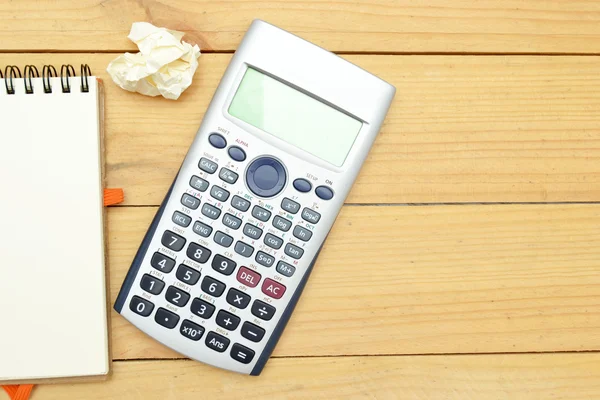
x=52, y=263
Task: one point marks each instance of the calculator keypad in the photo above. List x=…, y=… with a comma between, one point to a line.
x=262, y=235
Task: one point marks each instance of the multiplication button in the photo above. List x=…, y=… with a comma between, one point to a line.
x=237, y=298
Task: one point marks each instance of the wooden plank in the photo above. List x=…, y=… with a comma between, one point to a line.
x=461, y=129
x=420, y=280
x=464, y=26
x=523, y=376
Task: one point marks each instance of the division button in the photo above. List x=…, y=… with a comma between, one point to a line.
x=217, y=141
x=241, y=353
x=263, y=310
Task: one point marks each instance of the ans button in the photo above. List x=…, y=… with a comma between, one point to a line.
x=217, y=140
x=324, y=192
x=302, y=185
x=237, y=153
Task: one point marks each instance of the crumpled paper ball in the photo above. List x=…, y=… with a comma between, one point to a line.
x=164, y=66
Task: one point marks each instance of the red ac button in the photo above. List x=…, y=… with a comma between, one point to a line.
x=273, y=289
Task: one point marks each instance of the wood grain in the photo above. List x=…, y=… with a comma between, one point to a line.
x=461, y=129
x=416, y=280
x=523, y=377
x=464, y=26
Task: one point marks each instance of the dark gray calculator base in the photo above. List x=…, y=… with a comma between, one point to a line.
x=139, y=257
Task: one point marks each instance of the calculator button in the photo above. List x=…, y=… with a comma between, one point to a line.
x=261, y=214
x=191, y=330
x=162, y=263
x=237, y=153
x=202, y=229
x=248, y=277
x=310, y=215
x=273, y=241
x=223, y=239
x=219, y=193
x=228, y=175
x=151, y=284
x=302, y=185
x=187, y=275
x=198, y=253
x=166, y=318
x=290, y=206
x=324, y=192
x=285, y=269
x=263, y=310
x=217, y=141
x=212, y=286
x=265, y=176
x=172, y=241
x=227, y=320
x=232, y=222
x=216, y=342
x=252, y=332
x=190, y=201
x=177, y=296
x=252, y=231
x=140, y=306
x=237, y=298
x=302, y=234
x=207, y=166
x=293, y=251
x=181, y=219
x=223, y=264
x=240, y=204
x=241, y=353
x=264, y=259
x=210, y=211
x=283, y=224
x=202, y=308
x=272, y=288
x=243, y=249
x=198, y=183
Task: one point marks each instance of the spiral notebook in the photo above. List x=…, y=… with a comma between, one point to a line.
x=52, y=269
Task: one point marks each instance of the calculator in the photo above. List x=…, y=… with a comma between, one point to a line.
x=230, y=249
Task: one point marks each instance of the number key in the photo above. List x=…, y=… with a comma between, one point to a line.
x=223, y=265
x=187, y=275
x=141, y=306
x=172, y=241
x=202, y=308
x=212, y=286
x=198, y=253
x=177, y=296
x=151, y=284
x=162, y=263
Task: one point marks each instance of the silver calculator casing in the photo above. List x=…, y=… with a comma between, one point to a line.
x=318, y=73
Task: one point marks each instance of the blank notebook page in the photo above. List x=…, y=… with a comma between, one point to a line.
x=52, y=273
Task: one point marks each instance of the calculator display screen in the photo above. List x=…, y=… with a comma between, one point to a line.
x=295, y=117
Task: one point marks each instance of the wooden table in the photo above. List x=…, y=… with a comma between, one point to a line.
x=466, y=263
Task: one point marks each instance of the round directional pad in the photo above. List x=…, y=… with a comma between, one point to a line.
x=266, y=176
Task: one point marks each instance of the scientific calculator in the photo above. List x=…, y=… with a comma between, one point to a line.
x=229, y=251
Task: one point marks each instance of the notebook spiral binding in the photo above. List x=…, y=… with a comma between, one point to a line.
x=12, y=72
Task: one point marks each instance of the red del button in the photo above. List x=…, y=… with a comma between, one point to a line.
x=273, y=289
x=248, y=277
